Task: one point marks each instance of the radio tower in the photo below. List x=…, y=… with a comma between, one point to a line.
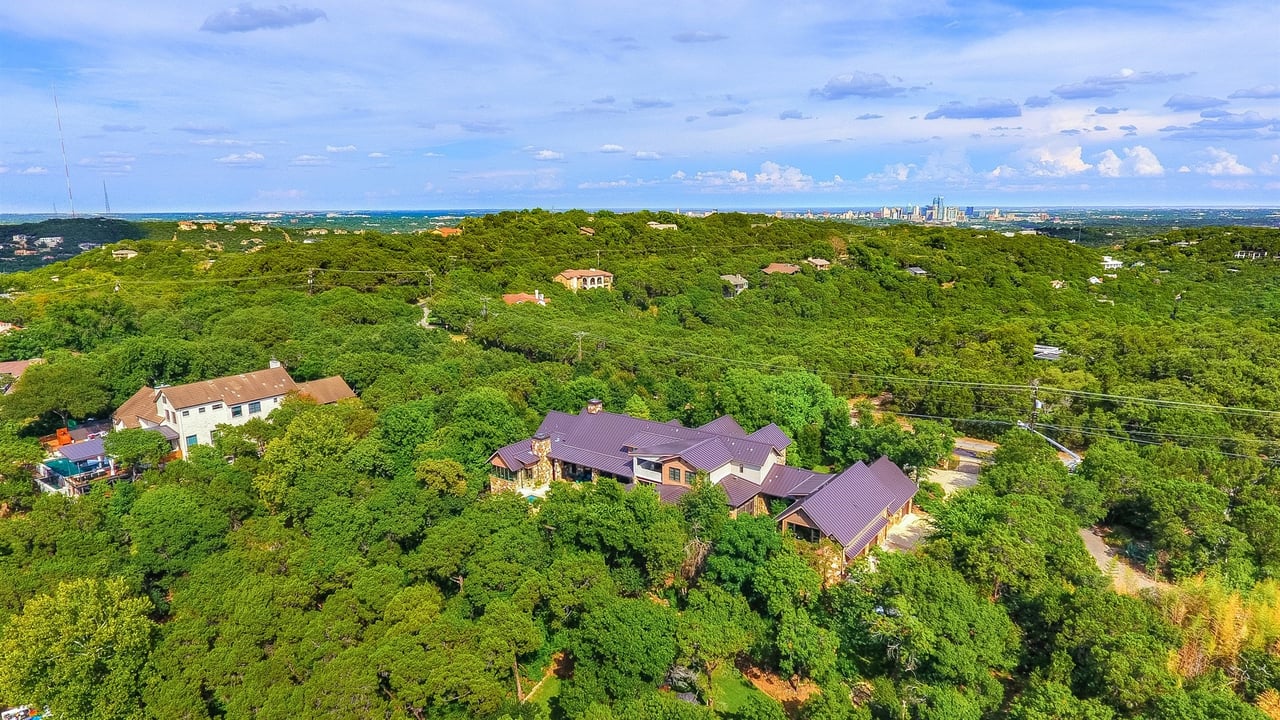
x=65, y=167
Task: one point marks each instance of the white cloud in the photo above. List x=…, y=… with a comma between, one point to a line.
x=647, y=155
x=249, y=158
x=377, y=155
x=34, y=170
x=548, y=155
x=1138, y=161
x=782, y=178
x=1220, y=162
x=309, y=161
x=1056, y=161
x=611, y=148
x=339, y=148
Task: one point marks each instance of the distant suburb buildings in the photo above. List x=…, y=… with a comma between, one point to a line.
x=187, y=414
x=854, y=508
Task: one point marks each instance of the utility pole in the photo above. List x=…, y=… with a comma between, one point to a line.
x=597, y=258
x=1035, y=402
x=452, y=260
x=580, y=334
x=484, y=307
x=311, y=281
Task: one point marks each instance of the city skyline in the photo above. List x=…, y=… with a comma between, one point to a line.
x=335, y=105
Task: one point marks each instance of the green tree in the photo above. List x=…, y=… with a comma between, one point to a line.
x=715, y=627
x=81, y=651
x=135, y=448
x=172, y=529
x=67, y=386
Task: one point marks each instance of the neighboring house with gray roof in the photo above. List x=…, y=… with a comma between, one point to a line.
x=192, y=411
x=854, y=508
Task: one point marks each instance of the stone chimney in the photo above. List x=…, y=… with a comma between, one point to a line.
x=541, y=445
x=594, y=406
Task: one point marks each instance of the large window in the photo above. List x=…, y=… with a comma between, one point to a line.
x=504, y=473
x=674, y=474
x=237, y=410
x=192, y=441
x=650, y=465
x=255, y=407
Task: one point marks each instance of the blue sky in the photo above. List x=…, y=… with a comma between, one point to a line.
x=413, y=104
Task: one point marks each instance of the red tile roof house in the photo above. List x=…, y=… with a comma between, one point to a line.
x=191, y=412
x=855, y=508
x=780, y=269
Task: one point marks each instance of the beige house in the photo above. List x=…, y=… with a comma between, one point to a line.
x=591, y=279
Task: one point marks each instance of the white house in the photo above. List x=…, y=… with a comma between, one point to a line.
x=193, y=410
x=1109, y=263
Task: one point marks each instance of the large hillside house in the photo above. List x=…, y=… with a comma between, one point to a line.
x=591, y=279
x=190, y=412
x=855, y=508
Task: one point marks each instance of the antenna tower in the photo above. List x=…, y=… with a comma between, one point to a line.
x=65, y=167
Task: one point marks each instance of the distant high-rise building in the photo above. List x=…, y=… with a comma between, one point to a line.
x=939, y=209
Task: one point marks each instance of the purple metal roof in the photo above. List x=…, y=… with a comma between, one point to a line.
x=792, y=482
x=708, y=455
x=81, y=451
x=670, y=493
x=517, y=456
x=771, y=435
x=609, y=435
x=619, y=467
x=860, y=543
x=725, y=425
x=852, y=500
x=739, y=490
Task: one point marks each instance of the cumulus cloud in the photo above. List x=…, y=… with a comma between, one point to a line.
x=611, y=148
x=1138, y=161
x=1129, y=129
x=698, y=36
x=1035, y=101
x=249, y=158
x=1109, y=85
x=986, y=108
x=1056, y=161
x=649, y=103
x=245, y=18
x=1104, y=110
x=781, y=178
x=1257, y=92
x=1219, y=162
x=859, y=84
x=339, y=148
x=548, y=155
x=793, y=115
x=309, y=161
x=378, y=155
x=484, y=127
x=724, y=111
x=868, y=116
x=34, y=170
x=647, y=155
x=1182, y=101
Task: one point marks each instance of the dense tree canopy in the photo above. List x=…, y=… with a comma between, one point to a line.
x=343, y=560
